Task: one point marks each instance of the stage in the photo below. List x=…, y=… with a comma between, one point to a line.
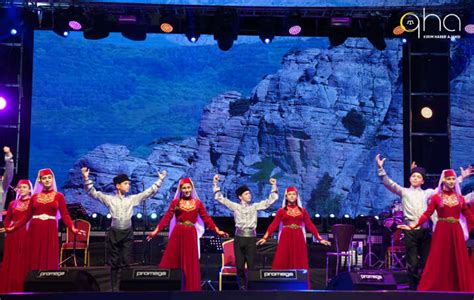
x=250, y=295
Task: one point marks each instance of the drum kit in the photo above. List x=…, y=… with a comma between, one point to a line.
x=395, y=218
x=390, y=220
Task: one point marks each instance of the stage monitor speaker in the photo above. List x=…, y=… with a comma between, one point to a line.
x=267, y=279
x=363, y=280
x=140, y=279
x=60, y=281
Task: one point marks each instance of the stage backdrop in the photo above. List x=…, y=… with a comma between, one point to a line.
x=299, y=110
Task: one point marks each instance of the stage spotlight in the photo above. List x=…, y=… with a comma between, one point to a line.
x=337, y=38
x=96, y=220
x=346, y=216
x=13, y=31
x=317, y=220
x=134, y=33
x=75, y=25
x=404, y=41
x=332, y=219
x=60, y=24
x=167, y=24
x=3, y=103
x=226, y=30
x=426, y=112
x=341, y=22
x=152, y=221
x=138, y=222
x=109, y=216
x=192, y=32
x=293, y=24
x=376, y=34
x=274, y=214
x=266, y=33
x=377, y=217
x=98, y=27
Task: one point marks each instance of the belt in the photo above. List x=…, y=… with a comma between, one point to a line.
x=247, y=232
x=449, y=220
x=44, y=217
x=292, y=226
x=186, y=223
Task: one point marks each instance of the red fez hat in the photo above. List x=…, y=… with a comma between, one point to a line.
x=24, y=181
x=185, y=180
x=44, y=172
x=449, y=173
x=291, y=189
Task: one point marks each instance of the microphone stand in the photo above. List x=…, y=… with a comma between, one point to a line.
x=145, y=225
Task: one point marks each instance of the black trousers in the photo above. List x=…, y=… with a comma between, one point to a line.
x=245, y=249
x=417, y=247
x=119, y=244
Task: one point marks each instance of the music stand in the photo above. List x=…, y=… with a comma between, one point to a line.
x=76, y=211
x=210, y=244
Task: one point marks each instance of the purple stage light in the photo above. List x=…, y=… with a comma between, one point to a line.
x=127, y=19
x=469, y=28
x=3, y=103
x=294, y=30
x=75, y=25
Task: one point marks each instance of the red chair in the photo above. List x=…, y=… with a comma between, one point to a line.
x=228, y=262
x=81, y=243
x=396, y=252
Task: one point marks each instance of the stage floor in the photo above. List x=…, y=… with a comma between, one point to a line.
x=249, y=295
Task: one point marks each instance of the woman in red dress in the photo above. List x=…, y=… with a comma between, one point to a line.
x=15, y=257
x=46, y=202
x=448, y=267
x=292, y=219
x=187, y=216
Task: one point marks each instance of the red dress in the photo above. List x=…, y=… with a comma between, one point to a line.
x=43, y=229
x=182, y=251
x=448, y=267
x=291, y=252
x=15, y=257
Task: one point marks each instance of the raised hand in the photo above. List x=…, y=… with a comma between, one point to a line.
x=85, y=172
x=162, y=175
x=467, y=172
x=413, y=165
x=273, y=181
x=7, y=150
x=261, y=242
x=379, y=161
x=216, y=179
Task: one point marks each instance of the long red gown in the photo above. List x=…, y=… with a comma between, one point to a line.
x=448, y=267
x=43, y=229
x=15, y=257
x=291, y=252
x=182, y=251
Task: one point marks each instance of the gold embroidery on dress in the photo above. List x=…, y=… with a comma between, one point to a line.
x=293, y=211
x=22, y=205
x=451, y=200
x=46, y=198
x=187, y=205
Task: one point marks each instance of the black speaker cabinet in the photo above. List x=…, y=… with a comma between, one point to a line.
x=363, y=280
x=140, y=279
x=60, y=281
x=267, y=279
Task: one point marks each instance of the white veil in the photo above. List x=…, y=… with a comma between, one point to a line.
x=199, y=223
x=283, y=205
x=457, y=190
